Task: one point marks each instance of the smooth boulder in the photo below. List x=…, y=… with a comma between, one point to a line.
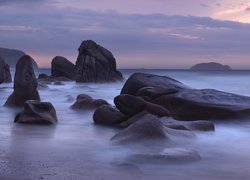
x=5, y=75
x=62, y=67
x=96, y=64
x=25, y=83
x=36, y=112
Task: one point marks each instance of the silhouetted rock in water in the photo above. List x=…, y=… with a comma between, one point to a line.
x=5, y=75
x=210, y=66
x=85, y=102
x=140, y=80
x=62, y=67
x=36, y=112
x=108, y=115
x=148, y=127
x=11, y=56
x=131, y=105
x=185, y=103
x=96, y=64
x=188, y=125
x=168, y=155
x=42, y=75
x=25, y=83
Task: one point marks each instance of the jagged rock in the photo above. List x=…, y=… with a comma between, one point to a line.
x=188, y=125
x=107, y=115
x=62, y=67
x=5, y=75
x=25, y=83
x=85, y=102
x=36, y=112
x=96, y=64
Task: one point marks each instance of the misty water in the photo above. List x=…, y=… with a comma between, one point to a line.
x=76, y=148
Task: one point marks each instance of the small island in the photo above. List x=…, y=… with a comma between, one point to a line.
x=210, y=66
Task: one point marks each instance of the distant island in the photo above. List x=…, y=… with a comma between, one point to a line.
x=11, y=56
x=210, y=66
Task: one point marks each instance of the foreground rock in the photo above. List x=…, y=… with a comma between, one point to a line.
x=168, y=155
x=36, y=112
x=5, y=75
x=108, y=115
x=210, y=66
x=25, y=83
x=185, y=103
x=85, y=102
x=96, y=64
x=62, y=67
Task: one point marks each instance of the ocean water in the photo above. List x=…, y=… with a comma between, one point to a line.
x=78, y=149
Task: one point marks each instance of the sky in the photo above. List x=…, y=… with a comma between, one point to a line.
x=140, y=33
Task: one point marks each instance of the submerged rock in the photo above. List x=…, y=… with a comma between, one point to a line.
x=168, y=155
x=25, y=83
x=107, y=115
x=36, y=112
x=5, y=75
x=62, y=67
x=96, y=64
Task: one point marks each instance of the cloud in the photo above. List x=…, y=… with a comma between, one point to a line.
x=135, y=39
x=247, y=9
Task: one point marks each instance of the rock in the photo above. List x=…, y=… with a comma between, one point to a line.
x=168, y=155
x=36, y=112
x=205, y=104
x=210, y=66
x=107, y=115
x=62, y=67
x=59, y=83
x=42, y=75
x=5, y=75
x=11, y=57
x=25, y=83
x=139, y=80
x=85, y=102
x=188, y=125
x=147, y=128
x=96, y=64
x=131, y=105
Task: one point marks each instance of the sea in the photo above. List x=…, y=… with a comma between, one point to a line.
x=76, y=148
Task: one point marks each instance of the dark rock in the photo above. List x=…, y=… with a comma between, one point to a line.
x=25, y=83
x=192, y=104
x=5, y=75
x=85, y=102
x=62, y=67
x=131, y=105
x=168, y=155
x=147, y=128
x=107, y=115
x=188, y=125
x=42, y=75
x=36, y=112
x=140, y=80
x=210, y=66
x=96, y=64
x=59, y=83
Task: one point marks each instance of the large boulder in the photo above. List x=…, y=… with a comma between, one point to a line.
x=25, y=83
x=96, y=64
x=140, y=80
x=185, y=103
x=62, y=67
x=5, y=75
x=36, y=112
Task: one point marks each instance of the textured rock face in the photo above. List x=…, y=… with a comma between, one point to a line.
x=185, y=103
x=210, y=66
x=62, y=67
x=25, y=83
x=36, y=112
x=95, y=64
x=5, y=75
